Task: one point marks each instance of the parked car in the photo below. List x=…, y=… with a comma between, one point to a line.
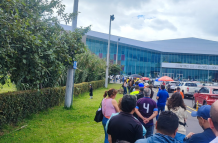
x=207, y=95
x=188, y=88
x=157, y=83
x=173, y=85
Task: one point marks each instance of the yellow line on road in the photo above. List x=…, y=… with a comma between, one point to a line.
x=191, y=108
x=188, y=111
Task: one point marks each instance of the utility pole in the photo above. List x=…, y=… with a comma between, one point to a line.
x=71, y=70
x=117, y=50
x=108, y=51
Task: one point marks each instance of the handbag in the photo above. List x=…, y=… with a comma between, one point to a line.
x=99, y=114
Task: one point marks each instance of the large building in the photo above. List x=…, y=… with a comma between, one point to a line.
x=186, y=58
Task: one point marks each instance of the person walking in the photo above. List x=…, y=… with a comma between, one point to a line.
x=177, y=106
x=91, y=91
x=203, y=114
x=179, y=91
x=162, y=97
x=109, y=106
x=146, y=110
x=166, y=128
x=124, y=126
x=124, y=87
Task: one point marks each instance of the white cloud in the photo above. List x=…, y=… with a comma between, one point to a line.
x=159, y=19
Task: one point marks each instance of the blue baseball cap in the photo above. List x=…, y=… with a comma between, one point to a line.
x=141, y=85
x=203, y=111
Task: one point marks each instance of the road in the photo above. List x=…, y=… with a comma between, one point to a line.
x=192, y=122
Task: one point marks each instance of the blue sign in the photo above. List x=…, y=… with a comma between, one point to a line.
x=75, y=65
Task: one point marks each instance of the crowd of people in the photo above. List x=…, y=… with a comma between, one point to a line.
x=132, y=119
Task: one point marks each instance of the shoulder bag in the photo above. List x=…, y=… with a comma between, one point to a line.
x=99, y=114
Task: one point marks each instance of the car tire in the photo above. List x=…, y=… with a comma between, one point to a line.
x=194, y=103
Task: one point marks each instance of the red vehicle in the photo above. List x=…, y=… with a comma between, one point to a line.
x=207, y=95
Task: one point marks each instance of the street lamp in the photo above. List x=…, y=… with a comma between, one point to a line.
x=71, y=71
x=117, y=49
x=108, y=51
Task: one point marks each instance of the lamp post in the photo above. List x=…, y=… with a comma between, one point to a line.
x=108, y=51
x=71, y=70
x=117, y=50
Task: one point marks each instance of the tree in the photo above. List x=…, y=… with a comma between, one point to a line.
x=114, y=69
x=90, y=67
x=35, y=50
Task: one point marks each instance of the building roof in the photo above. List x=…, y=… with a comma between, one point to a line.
x=183, y=45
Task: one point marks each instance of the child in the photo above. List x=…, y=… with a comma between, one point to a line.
x=91, y=91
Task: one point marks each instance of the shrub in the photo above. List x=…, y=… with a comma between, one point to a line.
x=15, y=106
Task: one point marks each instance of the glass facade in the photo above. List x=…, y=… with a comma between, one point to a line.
x=133, y=60
x=137, y=60
x=190, y=59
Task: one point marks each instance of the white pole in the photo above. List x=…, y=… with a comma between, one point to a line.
x=71, y=71
x=108, y=52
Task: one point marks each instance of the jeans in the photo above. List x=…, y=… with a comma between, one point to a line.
x=179, y=137
x=160, y=108
x=125, y=90
x=150, y=130
x=129, y=89
x=104, y=122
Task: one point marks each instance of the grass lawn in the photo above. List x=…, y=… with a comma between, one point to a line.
x=60, y=125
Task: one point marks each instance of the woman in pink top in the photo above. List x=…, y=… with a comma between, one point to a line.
x=109, y=106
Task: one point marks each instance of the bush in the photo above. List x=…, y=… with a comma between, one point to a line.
x=15, y=106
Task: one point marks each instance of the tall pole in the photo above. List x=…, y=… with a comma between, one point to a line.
x=71, y=71
x=117, y=50
x=108, y=52
x=208, y=69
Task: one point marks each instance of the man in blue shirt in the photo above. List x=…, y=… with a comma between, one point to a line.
x=202, y=115
x=162, y=97
x=166, y=128
x=146, y=109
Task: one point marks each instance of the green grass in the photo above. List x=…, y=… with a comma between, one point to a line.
x=76, y=125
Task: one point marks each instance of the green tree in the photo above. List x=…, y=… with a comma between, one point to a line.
x=90, y=67
x=114, y=69
x=35, y=50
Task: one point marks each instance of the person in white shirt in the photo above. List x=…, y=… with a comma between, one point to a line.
x=213, y=120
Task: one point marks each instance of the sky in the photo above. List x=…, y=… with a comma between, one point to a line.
x=150, y=20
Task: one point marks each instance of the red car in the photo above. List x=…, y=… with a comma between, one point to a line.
x=207, y=95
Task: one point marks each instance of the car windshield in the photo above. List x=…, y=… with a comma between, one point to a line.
x=215, y=91
x=180, y=84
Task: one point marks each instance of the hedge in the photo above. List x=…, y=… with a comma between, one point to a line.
x=15, y=106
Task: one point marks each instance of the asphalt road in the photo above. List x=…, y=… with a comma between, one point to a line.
x=192, y=122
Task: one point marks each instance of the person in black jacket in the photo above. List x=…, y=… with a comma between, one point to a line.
x=141, y=94
x=91, y=91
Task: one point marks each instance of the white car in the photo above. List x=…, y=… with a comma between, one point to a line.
x=157, y=83
x=188, y=88
x=173, y=85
